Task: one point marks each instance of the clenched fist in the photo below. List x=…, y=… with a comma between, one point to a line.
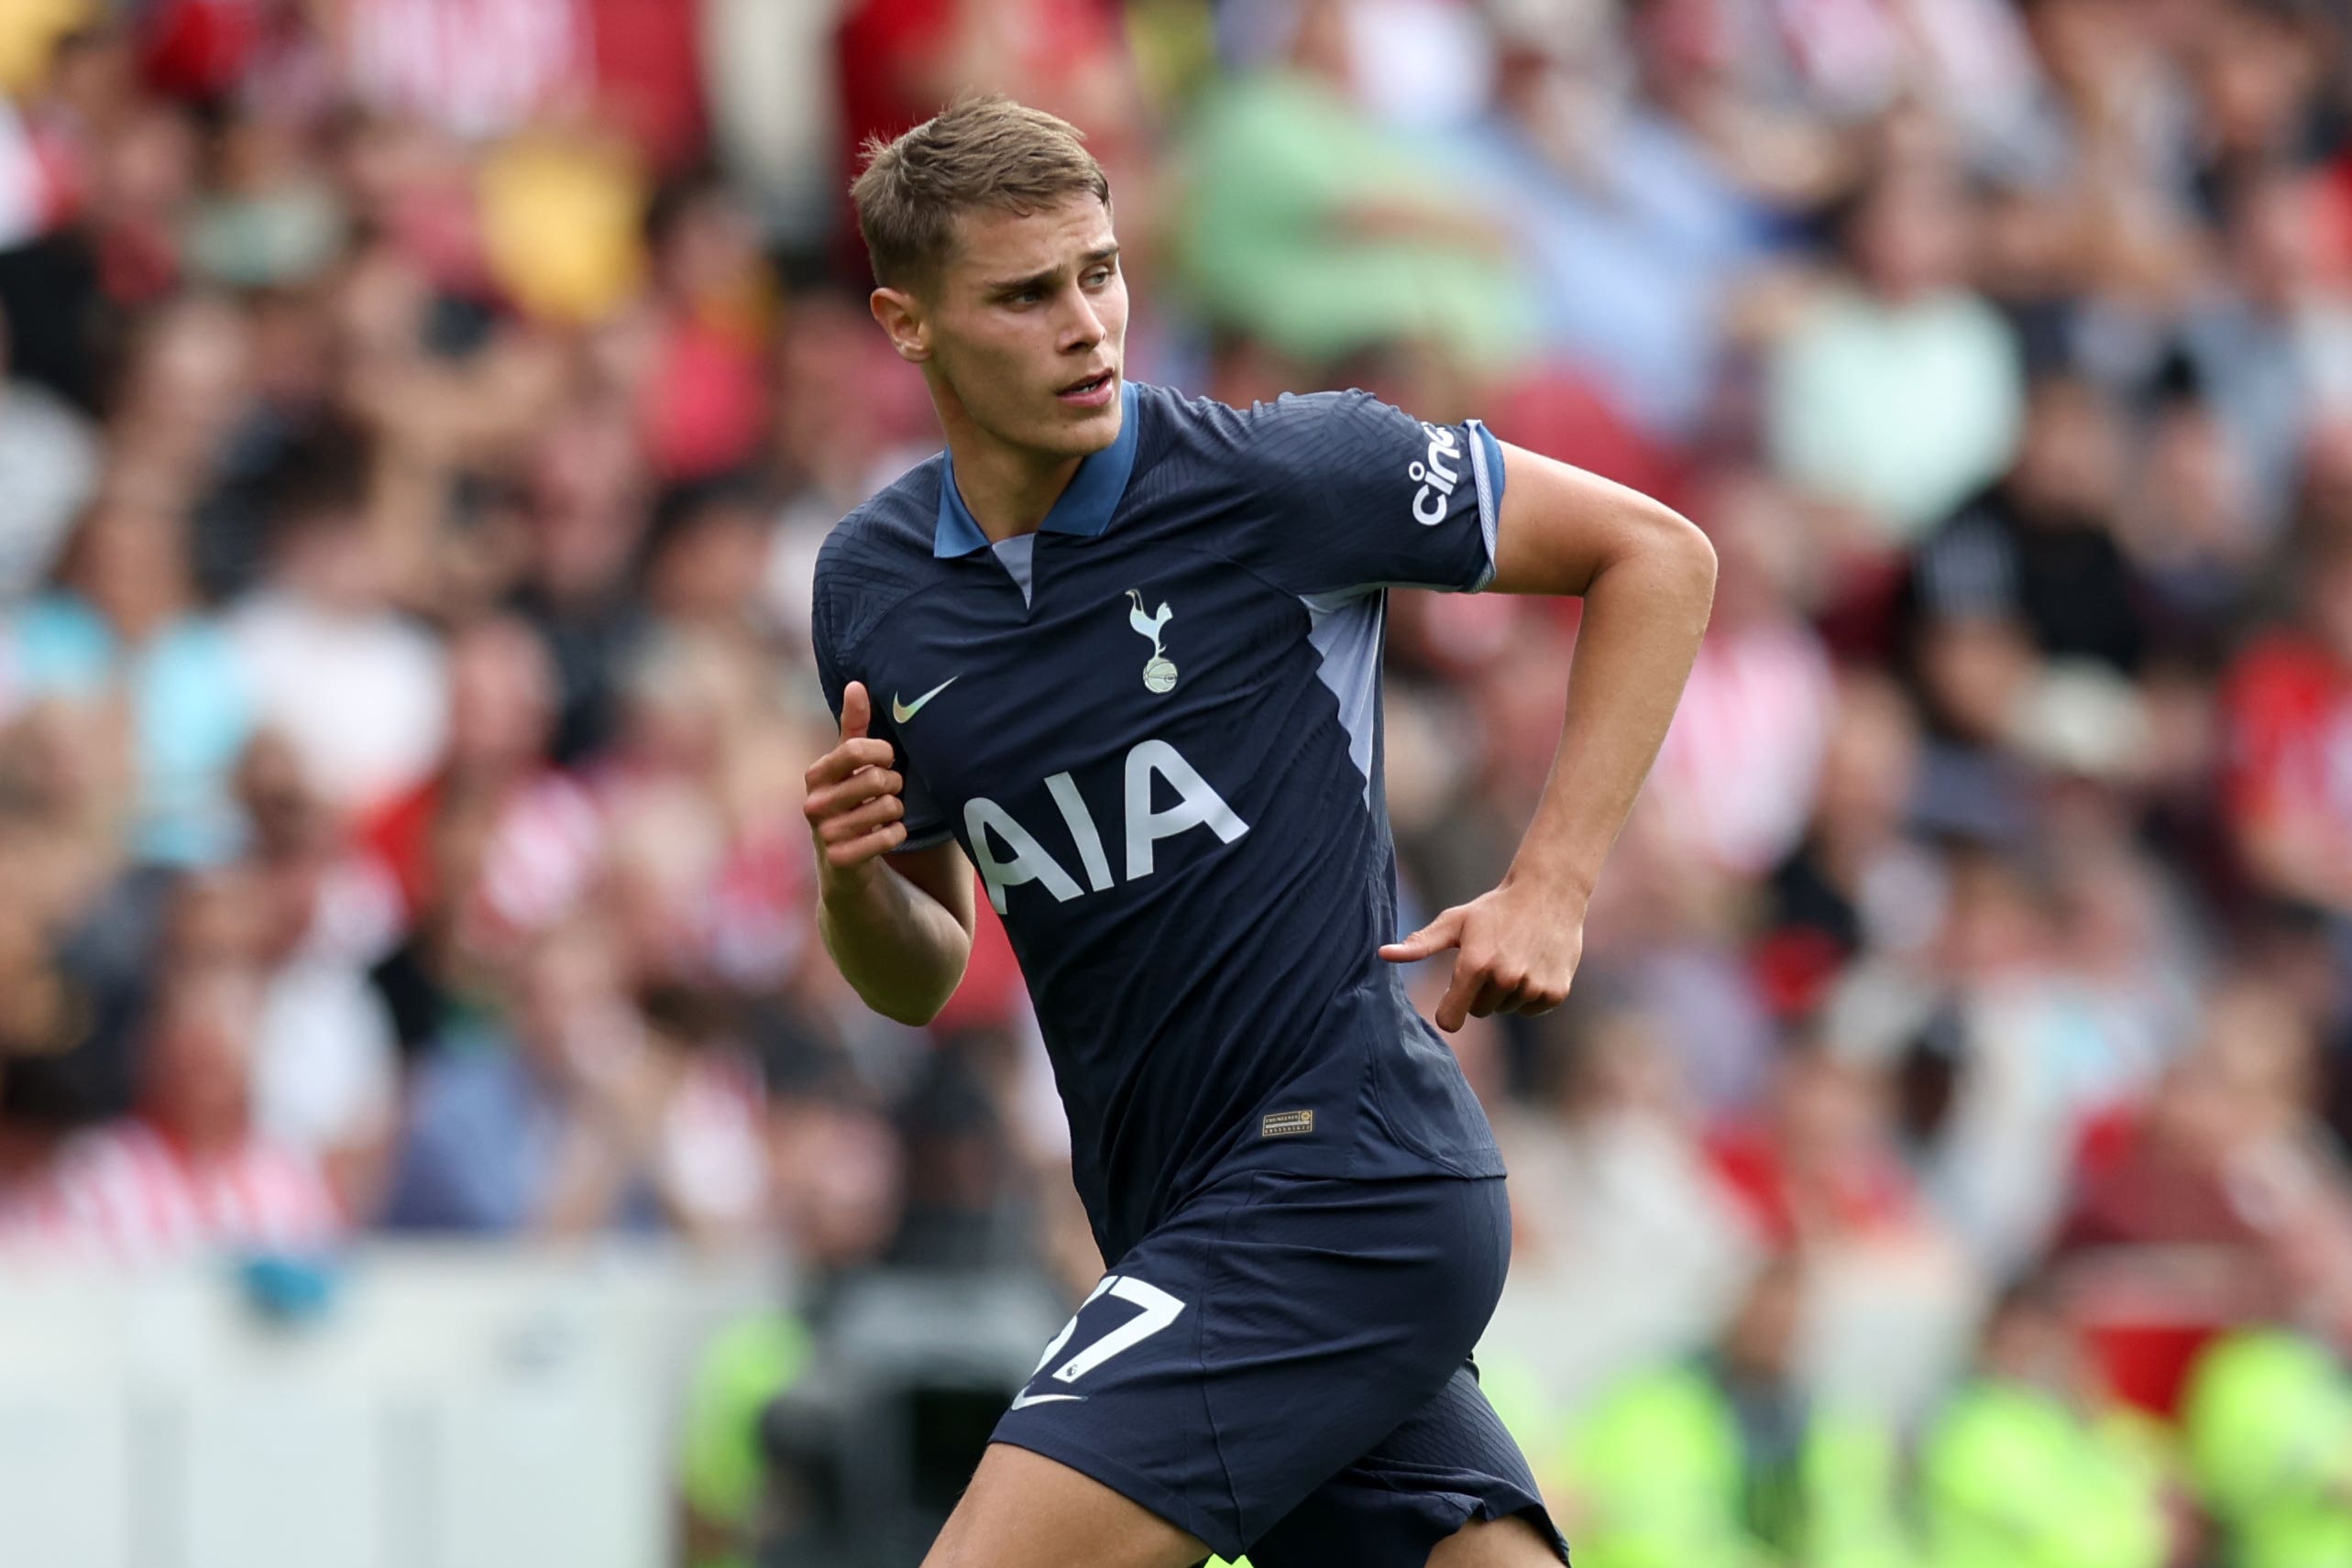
x=854, y=806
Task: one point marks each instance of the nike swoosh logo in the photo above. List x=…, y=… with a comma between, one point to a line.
x=900, y=712
x=1024, y=1400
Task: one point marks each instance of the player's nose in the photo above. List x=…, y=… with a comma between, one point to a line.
x=1082, y=325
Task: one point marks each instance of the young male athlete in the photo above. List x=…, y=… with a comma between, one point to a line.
x=1120, y=651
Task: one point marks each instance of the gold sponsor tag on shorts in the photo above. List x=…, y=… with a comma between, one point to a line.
x=1285, y=1124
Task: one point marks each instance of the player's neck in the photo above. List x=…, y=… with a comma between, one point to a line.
x=1007, y=490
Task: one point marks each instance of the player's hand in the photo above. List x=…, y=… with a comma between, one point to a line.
x=1516, y=951
x=854, y=806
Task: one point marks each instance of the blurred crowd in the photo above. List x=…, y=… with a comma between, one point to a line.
x=419, y=418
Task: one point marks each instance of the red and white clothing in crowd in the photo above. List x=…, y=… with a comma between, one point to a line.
x=2288, y=709
x=470, y=66
x=696, y=893
x=895, y=60
x=544, y=850
x=648, y=75
x=474, y=67
x=1785, y=1199
x=724, y=905
x=1736, y=777
x=37, y=178
x=127, y=1193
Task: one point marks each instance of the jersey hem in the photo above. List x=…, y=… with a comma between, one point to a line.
x=1461, y=1164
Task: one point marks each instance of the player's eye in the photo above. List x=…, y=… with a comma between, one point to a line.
x=1099, y=276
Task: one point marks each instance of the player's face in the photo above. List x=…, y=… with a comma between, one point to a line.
x=1028, y=326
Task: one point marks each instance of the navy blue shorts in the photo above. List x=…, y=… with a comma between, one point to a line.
x=1283, y=1367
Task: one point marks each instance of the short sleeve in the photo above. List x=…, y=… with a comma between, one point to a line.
x=1364, y=496
x=927, y=825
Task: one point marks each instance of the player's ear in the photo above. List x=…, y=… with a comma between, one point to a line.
x=903, y=320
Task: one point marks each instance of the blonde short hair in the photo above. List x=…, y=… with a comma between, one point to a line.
x=983, y=151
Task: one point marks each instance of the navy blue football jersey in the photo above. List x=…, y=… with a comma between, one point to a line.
x=1154, y=726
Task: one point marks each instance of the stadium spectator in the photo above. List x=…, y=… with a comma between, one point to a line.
x=2036, y=555
x=2226, y=1203
x=1742, y=763
x=1855, y=883
x=2273, y=342
x=48, y=467
x=124, y=638
x=2032, y=1464
x=325, y=1060
x=539, y=831
x=566, y=1119
x=2287, y=706
x=1819, y=1165
x=188, y=1172
x=837, y=1172
x=1613, y=1201
x=471, y=70
x=1895, y=391
x=1635, y=235
x=1318, y=233
x=2268, y=1429
x=1727, y=1460
x=357, y=690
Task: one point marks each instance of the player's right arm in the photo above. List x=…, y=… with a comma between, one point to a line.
x=898, y=926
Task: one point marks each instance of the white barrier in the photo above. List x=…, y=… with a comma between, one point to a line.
x=456, y=1407
x=495, y=1406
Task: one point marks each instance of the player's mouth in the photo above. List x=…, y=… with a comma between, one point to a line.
x=1094, y=392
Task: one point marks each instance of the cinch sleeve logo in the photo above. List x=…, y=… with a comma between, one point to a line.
x=1008, y=854
x=1437, y=480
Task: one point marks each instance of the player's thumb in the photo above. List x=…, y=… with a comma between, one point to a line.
x=857, y=711
x=1434, y=937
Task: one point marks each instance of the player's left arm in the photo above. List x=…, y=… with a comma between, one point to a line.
x=1647, y=577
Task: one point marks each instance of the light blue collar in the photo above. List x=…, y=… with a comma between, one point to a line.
x=1084, y=506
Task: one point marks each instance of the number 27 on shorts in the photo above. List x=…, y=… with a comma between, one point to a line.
x=1158, y=1310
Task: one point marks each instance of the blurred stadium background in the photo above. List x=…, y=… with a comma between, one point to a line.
x=430, y=1133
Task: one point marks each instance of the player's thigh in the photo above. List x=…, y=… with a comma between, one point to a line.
x=1447, y=1486
x=1024, y=1510
x=1514, y=1542
x=1262, y=1337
